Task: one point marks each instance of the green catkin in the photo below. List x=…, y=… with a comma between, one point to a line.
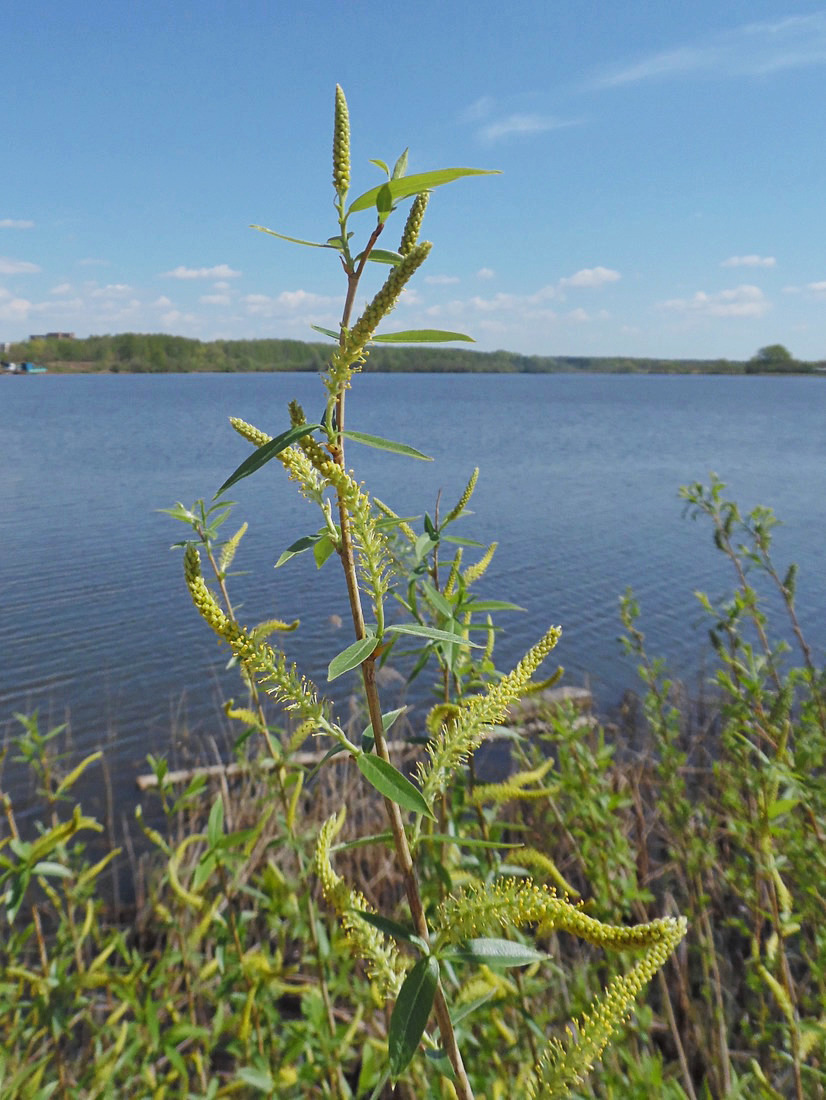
x=348, y=357
x=474, y=572
x=453, y=575
x=413, y=225
x=366, y=942
x=261, y=662
x=248, y=432
x=341, y=145
x=456, y=741
x=404, y=527
x=463, y=500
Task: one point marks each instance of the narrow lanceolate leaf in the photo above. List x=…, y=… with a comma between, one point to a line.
x=412, y=185
x=292, y=240
x=392, y=928
x=352, y=656
x=367, y=736
x=411, y=1013
x=390, y=782
x=465, y=841
x=382, y=256
x=325, y=331
x=264, y=454
x=496, y=953
x=437, y=600
x=491, y=605
x=386, y=445
x=421, y=336
x=298, y=547
x=431, y=633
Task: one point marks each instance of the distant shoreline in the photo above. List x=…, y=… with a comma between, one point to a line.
x=158, y=353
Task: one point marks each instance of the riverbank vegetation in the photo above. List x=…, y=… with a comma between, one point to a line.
x=226, y=974
x=607, y=915
x=158, y=353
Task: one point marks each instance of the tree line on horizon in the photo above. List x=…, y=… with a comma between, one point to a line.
x=160, y=353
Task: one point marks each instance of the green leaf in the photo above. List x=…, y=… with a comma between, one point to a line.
x=411, y=1013
x=465, y=841
x=325, y=332
x=390, y=782
x=259, y=1079
x=262, y=455
x=387, y=720
x=491, y=605
x=51, y=869
x=496, y=953
x=386, y=445
x=381, y=256
x=292, y=240
x=431, y=633
x=392, y=928
x=352, y=656
x=384, y=202
x=298, y=547
x=380, y=164
x=463, y=542
x=322, y=550
x=421, y=336
x=437, y=600
x=215, y=825
x=413, y=185
x=400, y=167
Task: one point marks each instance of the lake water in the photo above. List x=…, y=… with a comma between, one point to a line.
x=579, y=480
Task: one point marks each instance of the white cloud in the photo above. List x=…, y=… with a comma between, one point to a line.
x=14, y=309
x=441, y=280
x=817, y=288
x=740, y=301
x=163, y=302
x=517, y=124
x=749, y=261
x=591, y=277
x=17, y=267
x=112, y=290
x=485, y=273
x=287, y=303
x=215, y=299
x=90, y=261
x=15, y=223
x=220, y=271
x=61, y=288
x=753, y=49
x=479, y=109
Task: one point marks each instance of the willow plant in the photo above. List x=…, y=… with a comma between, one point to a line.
x=413, y=964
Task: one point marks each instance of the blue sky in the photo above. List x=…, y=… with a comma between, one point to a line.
x=663, y=186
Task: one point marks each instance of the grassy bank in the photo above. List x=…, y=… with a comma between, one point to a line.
x=233, y=977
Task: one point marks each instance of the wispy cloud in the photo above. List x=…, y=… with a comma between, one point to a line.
x=441, y=280
x=519, y=125
x=485, y=273
x=754, y=49
x=818, y=289
x=591, y=277
x=740, y=301
x=9, y=266
x=749, y=261
x=220, y=271
x=15, y=223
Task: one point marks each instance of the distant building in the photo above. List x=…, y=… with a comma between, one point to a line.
x=53, y=336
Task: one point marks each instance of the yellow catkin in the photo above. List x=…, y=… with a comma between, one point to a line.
x=413, y=225
x=341, y=144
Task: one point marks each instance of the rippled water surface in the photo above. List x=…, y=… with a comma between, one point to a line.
x=579, y=480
